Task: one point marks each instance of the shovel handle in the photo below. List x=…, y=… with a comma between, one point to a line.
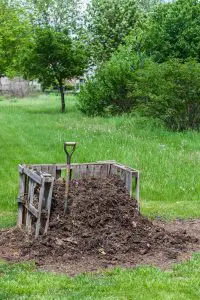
x=68, y=145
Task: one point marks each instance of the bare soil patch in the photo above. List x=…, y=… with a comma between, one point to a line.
x=102, y=229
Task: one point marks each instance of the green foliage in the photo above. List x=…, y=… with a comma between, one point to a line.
x=108, y=91
x=53, y=57
x=14, y=32
x=170, y=92
x=173, y=31
x=107, y=24
x=69, y=87
x=59, y=14
x=147, y=5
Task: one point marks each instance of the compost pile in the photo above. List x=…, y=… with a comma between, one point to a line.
x=102, y=222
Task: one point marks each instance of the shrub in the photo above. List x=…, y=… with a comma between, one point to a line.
x=170, y=92
x=108, y=91
x=69, y=87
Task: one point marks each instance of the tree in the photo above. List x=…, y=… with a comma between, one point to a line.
x=147, y=5
x=108, y=92
x=173, y=31
x=59, y=14
x=53, y=57
x=107, y=22
x=14, y=32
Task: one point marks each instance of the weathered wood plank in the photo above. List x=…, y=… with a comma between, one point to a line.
x=32, y=210
x=52, y=170
x=129, y=182
x=113, y=170
x=122, y=174
x=63, y=166
x=76, y=173
x=137, y=190
x=41, y=197
x=104, y=170
x=45, y=168
x=30, y=173
x=21, y=198
x=20, y=169
x=105, y=162
x=89, y=171
x=48, y=207
x=97, y=171
x=83, y=171
x=124, y=167
x=29, y=203
x=58, y=173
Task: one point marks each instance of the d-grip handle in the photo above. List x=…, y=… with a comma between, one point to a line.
x=71, y=145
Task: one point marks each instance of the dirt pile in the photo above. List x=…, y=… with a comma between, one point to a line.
x=102, y=219
x=102, y=222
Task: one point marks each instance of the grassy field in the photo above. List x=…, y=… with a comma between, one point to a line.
x=144, y=283
x=33, y=131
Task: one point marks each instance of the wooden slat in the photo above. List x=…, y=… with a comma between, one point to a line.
x=97, y=171
x=48, y=207
x=63, y=166
x=41, y=197
x=21, y=198
x=58, y=173
x=20, y=169
x=32, y=210
x=30, y=202
x=40, y=166
x=83, y=171
x=37, y=168
x=76, y=172
x=124, y=167
x=137, y=190
x=113, y=170
x=52, y=170
x=47, y=178
x=129, y=182
x=104, y=170
x=90, y=171
x=45, y=168
x=30, y=173
x=105, y=162
x=122, y=175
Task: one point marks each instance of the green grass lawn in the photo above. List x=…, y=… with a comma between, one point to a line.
x=33, y=131
x=22, y=281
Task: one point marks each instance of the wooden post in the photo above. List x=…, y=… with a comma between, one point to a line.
x=137, y=189
x=48, y=204
x=58, y=174
x=29, y=201
x=41, y=197
x=129, y=182
x=21, y=198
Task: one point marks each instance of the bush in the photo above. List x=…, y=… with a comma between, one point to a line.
x=170, y=92
x=108, y=91
x=69, y=87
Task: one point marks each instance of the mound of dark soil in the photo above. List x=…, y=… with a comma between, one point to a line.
x=102, y=223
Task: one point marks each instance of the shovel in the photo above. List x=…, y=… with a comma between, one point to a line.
x=67, y=146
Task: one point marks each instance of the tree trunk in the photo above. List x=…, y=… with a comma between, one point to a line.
x=62, y=94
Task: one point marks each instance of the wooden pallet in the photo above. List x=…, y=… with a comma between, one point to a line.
x=31, y=207
x=40, y=178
